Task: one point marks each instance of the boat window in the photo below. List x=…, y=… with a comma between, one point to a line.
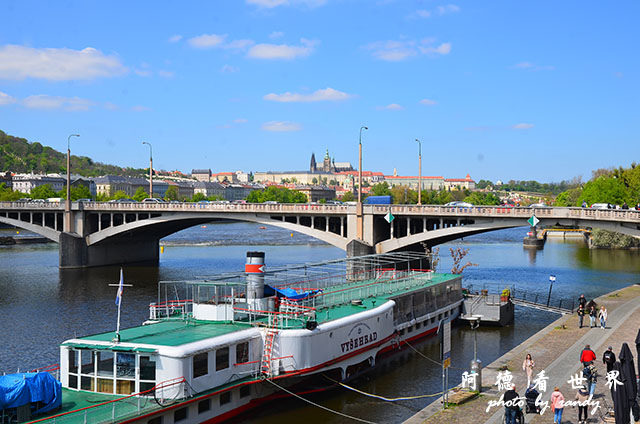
x=73, y=361
x=156, y=420
x=245, y=391
x=87, y=364
x=147, y=369
x=242, y=353
x=126, y=365
x=225, y=398
x=222, y=358
x=200, y=364
x=204, y=406
x=179, y=415
x=73, y=381
x=105, y=363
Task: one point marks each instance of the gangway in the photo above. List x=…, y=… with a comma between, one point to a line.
x=542, y=302
x=541, y=306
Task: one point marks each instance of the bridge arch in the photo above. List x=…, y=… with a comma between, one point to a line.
x=47, y=232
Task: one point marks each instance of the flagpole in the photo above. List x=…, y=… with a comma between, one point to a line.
x=120, y=289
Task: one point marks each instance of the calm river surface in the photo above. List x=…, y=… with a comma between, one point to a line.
x=41, y=306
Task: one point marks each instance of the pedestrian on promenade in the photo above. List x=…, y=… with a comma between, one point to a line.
x=582, y=395
x=557, y=405
x=582, y=301
x=527, y=366
x=593, y=314
x=590, y=373
x=511, y=405
x=609, y=358
x=603, y=317
x=587, y=356
x=581, y=312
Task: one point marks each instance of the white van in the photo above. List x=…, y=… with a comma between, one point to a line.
x=600, y=206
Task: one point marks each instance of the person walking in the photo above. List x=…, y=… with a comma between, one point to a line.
x=581, y=313
x=557, y=405
x=590, y=373
x=527, y=366
x=582, y=396
x=603, y=317
x=587, y=356
x=511, y=405
x=582, y=301
x=609, y=358
x=593, y=314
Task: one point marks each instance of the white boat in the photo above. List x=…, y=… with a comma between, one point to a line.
x=216, y=347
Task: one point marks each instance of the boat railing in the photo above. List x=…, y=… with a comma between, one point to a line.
x=281, y=319
x=161, y=395
x=169, y=309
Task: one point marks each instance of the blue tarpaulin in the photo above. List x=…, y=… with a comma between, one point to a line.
x=288, y=292
x=24, y=388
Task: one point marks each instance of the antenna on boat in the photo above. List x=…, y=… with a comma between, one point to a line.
x=120, y=286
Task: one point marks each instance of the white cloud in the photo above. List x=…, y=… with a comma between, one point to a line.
x=240, y=121
x=276, y=34
x=392, y=106
x=450, y=8
x=282, y=51
x=140, y=108
x=395, y=51
x=428, y=102
x=281, y=126
x=533, y=67
x=143, y=72
x=238, y=44
x=270, y=4
x=166, y=74
x=20, y=62
x=43, y=101
x=206, y=41
x=6, y=99
x=175, y=38
x=522, y=126
x=322, y=95
x=228, y=69
x=111, y=106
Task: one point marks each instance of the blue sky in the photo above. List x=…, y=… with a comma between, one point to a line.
x=542, y=90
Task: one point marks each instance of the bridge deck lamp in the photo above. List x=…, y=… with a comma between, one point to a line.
x=67, y=206
x=150, y=168
x=419, y=172
x=359, y=207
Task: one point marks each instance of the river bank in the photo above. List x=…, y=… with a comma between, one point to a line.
x=555, y=349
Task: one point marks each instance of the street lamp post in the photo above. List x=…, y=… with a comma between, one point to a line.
x=150, y=168
x=419, y=172
x=359, y=206
x=67, y=206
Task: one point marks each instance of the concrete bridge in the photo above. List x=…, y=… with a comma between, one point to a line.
x=104, y=233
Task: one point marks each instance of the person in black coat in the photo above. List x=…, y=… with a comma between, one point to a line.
x=609, y=358
x=628, y=377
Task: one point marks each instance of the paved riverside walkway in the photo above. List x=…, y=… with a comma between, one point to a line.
x=556, y=350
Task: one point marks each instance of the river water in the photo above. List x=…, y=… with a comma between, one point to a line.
x=41, y=306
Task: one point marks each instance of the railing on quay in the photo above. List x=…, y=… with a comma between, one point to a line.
x=543, y=299
x=130, y=406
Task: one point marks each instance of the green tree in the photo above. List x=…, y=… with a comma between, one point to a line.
x=348, y=197
x=605, y=190
x=140, y=194
x=380, y=189
x=6, y=194
x=43, y=192
x=120, y=195
x=198, y=197
x=77, y=192
x=172, y=193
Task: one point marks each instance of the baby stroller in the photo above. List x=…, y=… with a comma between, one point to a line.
x=530, y=396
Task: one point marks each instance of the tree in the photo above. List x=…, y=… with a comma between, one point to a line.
x=7, y=194
x=381, y=189
x=198, y=197
x=348, y=197
x=172, y=193
x=457, y=255
x=43, y=192
x=120, y=195
x=140, y=194
x=78, y=192
x=314, y=181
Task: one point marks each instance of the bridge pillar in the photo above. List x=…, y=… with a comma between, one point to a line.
x=74, y=252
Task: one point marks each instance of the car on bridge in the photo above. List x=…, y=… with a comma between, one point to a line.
x=459, y=204
x=152, y=200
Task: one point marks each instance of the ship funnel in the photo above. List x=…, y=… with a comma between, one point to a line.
x=254, y=268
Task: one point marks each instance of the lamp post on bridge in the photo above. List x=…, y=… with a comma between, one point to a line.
x=419, y=172
x=150, y=168
x=67, y=205
x=359, y=216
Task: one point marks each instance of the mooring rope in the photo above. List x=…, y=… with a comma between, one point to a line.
x=386, y=399
x=320, y=406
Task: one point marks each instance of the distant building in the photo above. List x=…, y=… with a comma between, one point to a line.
x=26, y=182
x=317, y=193
x=6, y=179
x=225, y=177
x=201, y=174
x=209, y=189
x=242, y=177
x=238, y=191
x=460, y=183
x=328, y=165
x=110, y=184
x=428, y=183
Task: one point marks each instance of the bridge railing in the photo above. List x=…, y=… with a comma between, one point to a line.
x=542, y=299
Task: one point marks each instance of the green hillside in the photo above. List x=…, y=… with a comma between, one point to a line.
x=21, y=156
